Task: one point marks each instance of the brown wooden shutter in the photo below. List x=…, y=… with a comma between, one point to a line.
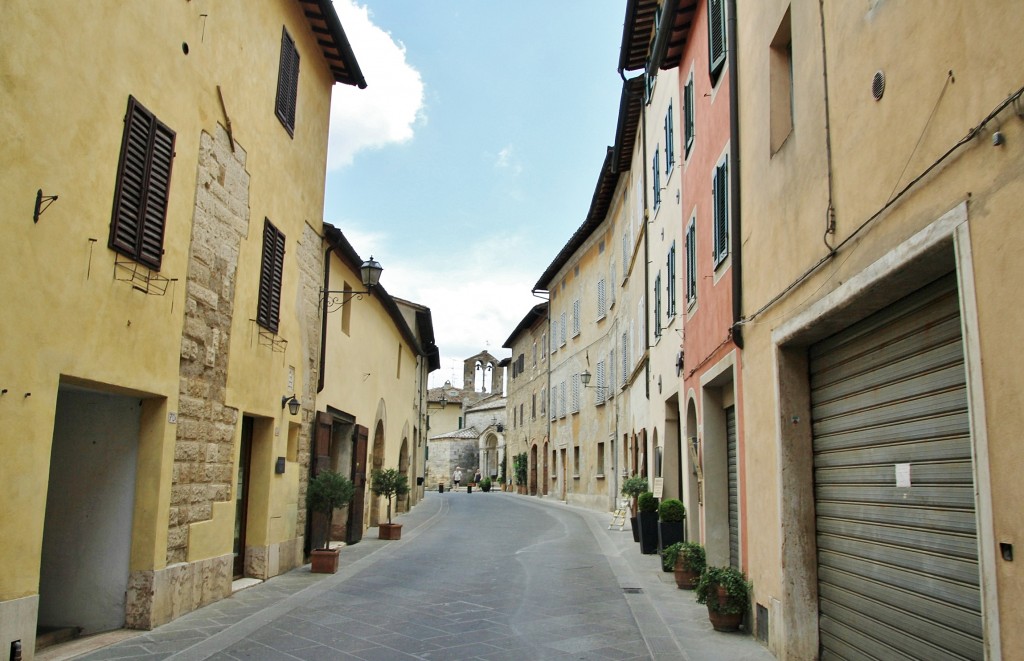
x=143, y=184
x=287, y=82
x=271, y=272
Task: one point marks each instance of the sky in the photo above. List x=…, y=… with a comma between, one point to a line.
x=472, y=155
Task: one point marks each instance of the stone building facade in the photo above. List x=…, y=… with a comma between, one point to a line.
x=186, y=221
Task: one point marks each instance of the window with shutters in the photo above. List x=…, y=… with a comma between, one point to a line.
x=670, y=152
x=688, y=114
x=287, y=82
x=534, y=354
x=575, y=317
x=271, y=272
x=543, y=347
x=602, y=300
x=143, y=184
x=624, y=351
x=716, y=38
x=691, y=262
x=575, y=386
x=626, y=251
x=720, y=198
x=613, y=282
x=533, y=406
x=561, y=399
x=656, y=178
x=670, y=284
x=554, y=402
x=657, y=305
x=563, y=329
x=600, y=394
x=554, y=335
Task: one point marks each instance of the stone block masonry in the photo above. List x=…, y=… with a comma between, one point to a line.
x=204, y=452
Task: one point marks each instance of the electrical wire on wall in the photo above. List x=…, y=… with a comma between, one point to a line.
x=1013, y=99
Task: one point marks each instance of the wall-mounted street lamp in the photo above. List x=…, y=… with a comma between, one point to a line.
x=585, y=380
x=291, y=403
x=369, y=272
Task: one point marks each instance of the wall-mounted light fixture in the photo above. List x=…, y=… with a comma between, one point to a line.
x=585, y=377
x=369, y=272
x=291, y=403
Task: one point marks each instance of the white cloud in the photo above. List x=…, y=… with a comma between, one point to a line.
x=387, y=111
x=506, y=160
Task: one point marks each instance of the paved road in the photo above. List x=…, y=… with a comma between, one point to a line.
x=475, y=576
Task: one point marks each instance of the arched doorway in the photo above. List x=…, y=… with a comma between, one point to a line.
x=694, y=475
x=402, y=502
x=376, y=463
x=533, y=469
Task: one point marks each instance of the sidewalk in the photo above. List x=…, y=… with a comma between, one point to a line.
x=670, y=621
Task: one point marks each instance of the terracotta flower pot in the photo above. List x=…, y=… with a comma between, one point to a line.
x=390, y=531
x=686, y=578
x=324, y=561
x=723, y=621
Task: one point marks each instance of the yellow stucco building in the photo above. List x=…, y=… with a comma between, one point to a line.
x=881, y=162
x=372, y=396
x=170, y=159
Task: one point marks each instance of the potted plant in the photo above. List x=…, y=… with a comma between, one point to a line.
x=633, y=487
x=672, y=514
x=647, y=522
x=668, y=556
x=726, y=592
x=389, y=483
x=325, y=493
x=520, y=465
x=687, y=561
x=485, y=484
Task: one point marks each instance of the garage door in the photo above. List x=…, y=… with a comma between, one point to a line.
x=894, y=490
x=734, y=488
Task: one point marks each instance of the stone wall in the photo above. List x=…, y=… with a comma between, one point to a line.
x=446, y=454
x=311, y=270
x=204, y=451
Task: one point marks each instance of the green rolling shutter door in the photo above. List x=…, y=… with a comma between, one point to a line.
x=734, y=501
x=894, y=490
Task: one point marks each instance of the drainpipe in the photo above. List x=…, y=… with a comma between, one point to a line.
x=734, y=188
x=323, y=319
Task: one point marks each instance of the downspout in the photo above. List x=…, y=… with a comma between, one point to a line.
x=647, y=281
x=734, y=188
x=323, y=318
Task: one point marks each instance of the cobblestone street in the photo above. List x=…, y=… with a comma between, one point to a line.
x=475, y=576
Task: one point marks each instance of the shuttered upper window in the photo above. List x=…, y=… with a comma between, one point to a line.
x=691, y=262
x=720, y=196
x=287, y=82
x=271, y=271
x=143, y=182
x=716, y=37
x=688, y=116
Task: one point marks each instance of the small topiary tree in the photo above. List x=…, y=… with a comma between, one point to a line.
x=633, y=487
x=672, y=510
x=647, y=502
x=325, y=493
x=389, y=483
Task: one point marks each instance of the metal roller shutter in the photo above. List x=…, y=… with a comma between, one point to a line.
x=734, y=508
x=894, y=490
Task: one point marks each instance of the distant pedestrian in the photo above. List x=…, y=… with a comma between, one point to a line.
x=457, y=477
x=476, y=478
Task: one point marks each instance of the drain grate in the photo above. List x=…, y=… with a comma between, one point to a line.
x=632, y=590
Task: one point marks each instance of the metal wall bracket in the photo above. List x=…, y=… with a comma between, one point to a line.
x=40, y=206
